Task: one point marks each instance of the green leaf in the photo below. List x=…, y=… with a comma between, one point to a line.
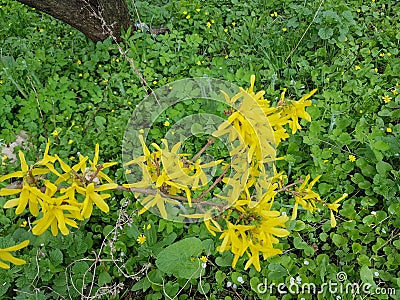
x=381, y=146
x=220, y=277
x=104, y=278
x=383, y=167
x=181, y=258
x=56, y=257
x=325, y=33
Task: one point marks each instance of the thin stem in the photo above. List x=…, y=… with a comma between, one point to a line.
x=197, y=155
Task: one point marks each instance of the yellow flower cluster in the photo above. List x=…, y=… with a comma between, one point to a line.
x=58, y=203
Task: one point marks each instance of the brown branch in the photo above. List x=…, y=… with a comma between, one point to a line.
x=197, y=155
x=286, y=188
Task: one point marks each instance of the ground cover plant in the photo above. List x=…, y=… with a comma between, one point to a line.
x=72, y=100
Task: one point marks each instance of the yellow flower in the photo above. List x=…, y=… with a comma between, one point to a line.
x=166, y=123
x=148, y=227
x=79, y=62
x=204, y=258
x=376, y=70
x=208, y=24
x=128, y=171
x=141, y=131
x=274, y=14
x=227, y=56
x=5, y=255
x=80, y=75
x=334, y=207
x=70, y=142
x=386, y=99
x=395, y=92
x=70, y=33
x=361, y=111
x=357, y=68
x=226, y=30
x=185, y=12
x=141, y=239
x=206, y=13
x=41, y=30
x=188, y=17
x=155, y=82
x=389, y=54
x=382, y=54
x=199, y=62
x=55, y=133
x=352, y=158
x=198, y=9
x=305, y=196
x=389, y=130
x=284, y=29
x=213, y=21
x=233, y=24
x=23, y=224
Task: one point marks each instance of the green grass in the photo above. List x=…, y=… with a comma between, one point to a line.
x=87, y=91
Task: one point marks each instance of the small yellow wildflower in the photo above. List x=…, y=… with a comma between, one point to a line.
x=188, y=17
x=386, y=99
x=71, y=158
x=325, y=160
x=80, y=75
x=185, y=12
x=141, y=239
x=389, y=54
x=128, y=171
x=373, y=0
x=382, y=54
x=1, y=81
x=89, y=107
x=79, y=62
x=327, y=79
x=352, y=158
x=274, y=14
x=55, y=133
x=41, y=30
x=198, y=9
x=376, y=70
x=59, y=38
x=70, y=33
x=208, y=24
x=199, y=62
x=166, y=123
x=139, y=30
x=148, y=227
x=342, y=73
x=226, y=56
x=226, y=30
x=206, y=13
x=361, y=111
x=357, y=68
x=212, y=21
x=358, y=10
x=389, y=130
x=141, y=131
x=233, y=24
x=204, y=258
x=284, y=29
x=395, y=92
x=155, y=82
x=117, y=60
x=129, y=103
x=70, y=142
x=23, y=224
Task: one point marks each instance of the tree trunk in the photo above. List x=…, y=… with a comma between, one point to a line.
x=97, y=19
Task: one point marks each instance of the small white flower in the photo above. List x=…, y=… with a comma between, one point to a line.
x=302, y=298
x=240, y=279
x=204, y=265
x=122, y=254
x=376, y=274
x=41, y=245
x=298, y=279
x=373, y=213
x=78, y=153
x=306, y=262
x=228, y=284
x=234, y=286
x=284, y=213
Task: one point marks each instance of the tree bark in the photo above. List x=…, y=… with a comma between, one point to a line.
x=97, y=19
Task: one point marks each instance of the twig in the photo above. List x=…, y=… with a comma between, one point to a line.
x=286, y=188
x=40, y=109
x=197, y=155
x=309, y=25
